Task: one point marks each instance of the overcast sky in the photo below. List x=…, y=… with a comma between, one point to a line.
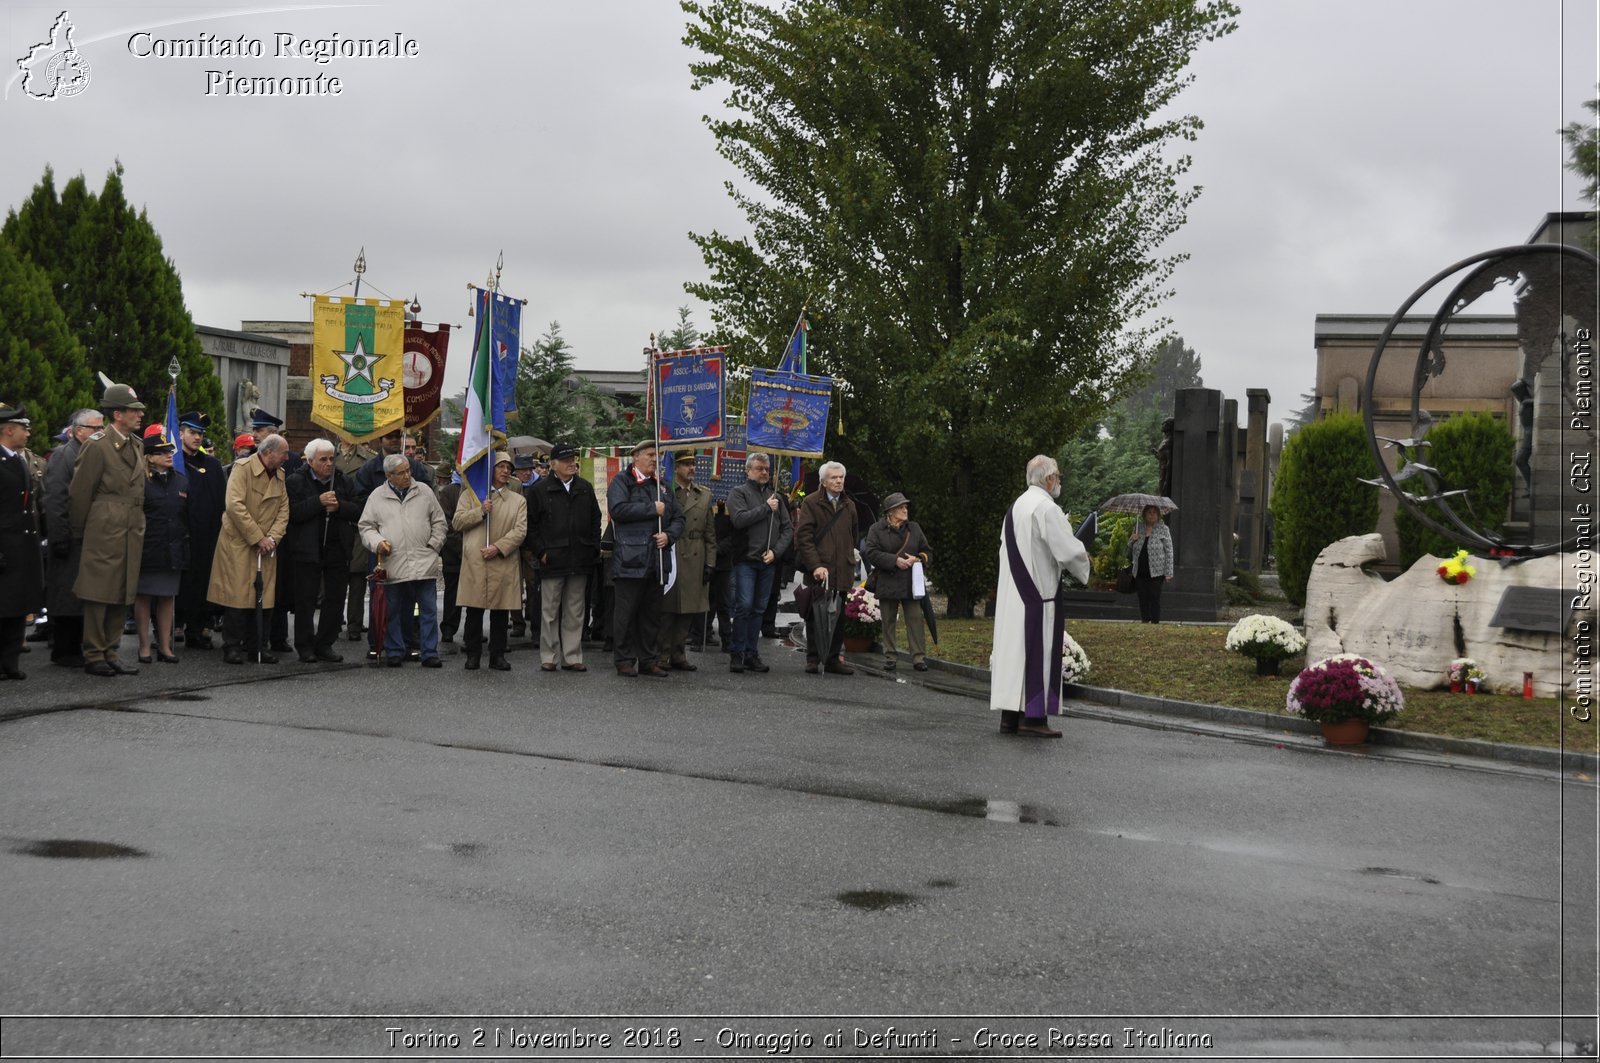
x=1352, y=148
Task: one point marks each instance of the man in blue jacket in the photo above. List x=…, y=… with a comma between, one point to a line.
x=646, y=521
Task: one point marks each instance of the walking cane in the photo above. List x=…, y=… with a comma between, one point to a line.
x=259, y=593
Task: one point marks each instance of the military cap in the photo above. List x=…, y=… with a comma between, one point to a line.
x=260, y=418
x=17, y=414
x=200, y=422
x=156, y=441
x=120, y=397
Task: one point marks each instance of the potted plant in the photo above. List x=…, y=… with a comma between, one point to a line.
x=1074, y=662
x=1345, y=694
x=1458, y=672
x=1268, y=639
x=861, y=619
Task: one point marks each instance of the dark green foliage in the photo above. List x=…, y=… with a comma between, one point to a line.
x=1110, y=547
x=1583, y=150
x=970, y=198
x=1174, y=367
x=555, y=405
x=1318, y=497
x=1121, y=459
x=681, y=336
x=41, y=363
x=1471, y=451
x=120, y=296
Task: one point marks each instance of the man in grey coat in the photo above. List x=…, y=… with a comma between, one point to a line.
x=761, y=534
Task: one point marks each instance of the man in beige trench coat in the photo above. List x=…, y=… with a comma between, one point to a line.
x=106, y=508
x=254, y=517
x=491, y=574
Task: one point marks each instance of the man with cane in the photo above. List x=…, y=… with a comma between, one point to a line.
x=244, y=571
x=646, y=520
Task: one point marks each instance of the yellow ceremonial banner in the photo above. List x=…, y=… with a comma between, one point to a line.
x=356, y=351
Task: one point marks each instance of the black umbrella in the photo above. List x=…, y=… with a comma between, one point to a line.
x=824, y=613
x=927, y=614
x=261, y=631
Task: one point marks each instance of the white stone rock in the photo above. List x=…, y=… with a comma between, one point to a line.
x=1416, y=624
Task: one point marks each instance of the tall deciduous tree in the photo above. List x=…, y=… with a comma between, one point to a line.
x=41, y=363
x=121, y=297
x=970, y=198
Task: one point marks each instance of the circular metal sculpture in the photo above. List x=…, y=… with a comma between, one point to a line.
x=1554, y=288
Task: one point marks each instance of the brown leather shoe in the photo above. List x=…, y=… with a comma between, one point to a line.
x=548, y=666
x=627, y=670
x=1037, y=729
x=655, y=671
x=838, y=668
x=812, y=668
x=579, y=667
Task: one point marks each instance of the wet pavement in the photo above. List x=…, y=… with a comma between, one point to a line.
x=456, y=854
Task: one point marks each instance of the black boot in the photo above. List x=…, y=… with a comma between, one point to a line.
x=472, y=662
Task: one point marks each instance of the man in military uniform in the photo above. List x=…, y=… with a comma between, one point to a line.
x=66, y=610
x=208, y=486
x=106, y=507
x=21, y=567
x=696, y=558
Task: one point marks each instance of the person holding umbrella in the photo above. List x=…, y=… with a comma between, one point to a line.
x=1150, y=554
x=898, y=552
x=244, y=569
x=825, y=534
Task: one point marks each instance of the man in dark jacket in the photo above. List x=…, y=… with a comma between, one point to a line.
x=66, y=610
x=647, y=522
x=564, y=530
x=825, y=537
x=761, y=534
x=322, y=528
x=21, y=567
x=208, y=493
x=449, y=497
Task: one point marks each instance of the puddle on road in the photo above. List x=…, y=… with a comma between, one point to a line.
x=78, y=849
x=876, y=900
x=1395, y=872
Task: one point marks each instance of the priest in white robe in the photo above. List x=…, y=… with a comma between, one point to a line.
x=1036, y=546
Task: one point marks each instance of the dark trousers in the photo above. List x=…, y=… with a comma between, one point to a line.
x=1148, y=589
x=600, y=602
x=472, y=634
x=11, y=628
x=769, y=609
x=355, y=600
x=66, y=638
x=636, y=620
x=450, y=619
x=814, y=650
x=309, y=581
x=239, y=629
x=750, y=588
x=718, y=612
x=287, y=602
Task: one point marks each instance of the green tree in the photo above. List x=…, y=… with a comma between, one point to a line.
x=1583, y=150
x=681, y=336
x=969, y=197
x=556, y=404
x=41, y=362
x=121, y=297
x=1472, y=451
x=1174, y=366
x=1319, y=498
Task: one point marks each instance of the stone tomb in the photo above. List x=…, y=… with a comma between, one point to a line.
x=1415, y=624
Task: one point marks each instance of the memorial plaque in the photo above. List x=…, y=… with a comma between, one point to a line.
x=1533, y=609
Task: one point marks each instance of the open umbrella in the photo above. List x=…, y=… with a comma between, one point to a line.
x=380, y=605
x=526, y=444
x=1135, y=503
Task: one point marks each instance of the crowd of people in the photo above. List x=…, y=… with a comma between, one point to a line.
x=347, y=541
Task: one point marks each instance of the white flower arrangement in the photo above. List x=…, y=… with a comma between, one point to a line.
x=1461, y=668
x=1074, y=662
x=1265, y=638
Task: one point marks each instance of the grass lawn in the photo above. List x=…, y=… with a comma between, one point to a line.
x=1190, y=664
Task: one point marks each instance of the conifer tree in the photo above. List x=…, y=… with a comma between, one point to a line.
x=41, y=362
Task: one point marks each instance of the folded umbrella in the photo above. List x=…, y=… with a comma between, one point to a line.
x=380, y=604
x=927, y=614
x=261, y=630
x=824, y=614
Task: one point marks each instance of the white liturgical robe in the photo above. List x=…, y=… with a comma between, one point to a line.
x=1048, y=547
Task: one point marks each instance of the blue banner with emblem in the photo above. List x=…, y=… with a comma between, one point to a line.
x=690, y=395
x=788, y=412
x=505, y=348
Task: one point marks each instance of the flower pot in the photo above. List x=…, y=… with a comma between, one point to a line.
x=1455, y=686
x=1350, y=732
x=857, y=645
x=1472, y=686
x=1267, y=665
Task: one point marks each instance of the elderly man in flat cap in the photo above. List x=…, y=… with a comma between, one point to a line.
x=646, y=520
x=106, y=507
x=21, y=567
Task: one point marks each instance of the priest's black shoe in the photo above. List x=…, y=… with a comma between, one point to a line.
x=100, y=668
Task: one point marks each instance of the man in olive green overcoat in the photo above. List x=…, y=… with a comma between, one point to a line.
x=106, y=507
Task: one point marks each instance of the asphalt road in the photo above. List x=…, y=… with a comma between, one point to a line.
x=757, y=860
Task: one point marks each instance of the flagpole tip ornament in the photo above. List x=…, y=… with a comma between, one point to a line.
x=173, y=369
x=120, y=397
x=361, y=260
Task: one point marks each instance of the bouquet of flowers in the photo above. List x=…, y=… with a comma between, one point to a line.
x=1265, y=638
x=861, y=614
x=1462, y=667
x=1456, y=570
x=1345, y=687
x=1074, y=662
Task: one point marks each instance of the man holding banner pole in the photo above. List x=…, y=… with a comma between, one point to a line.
x=646, y=521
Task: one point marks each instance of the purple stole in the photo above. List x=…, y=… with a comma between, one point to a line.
x=1041, y=680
